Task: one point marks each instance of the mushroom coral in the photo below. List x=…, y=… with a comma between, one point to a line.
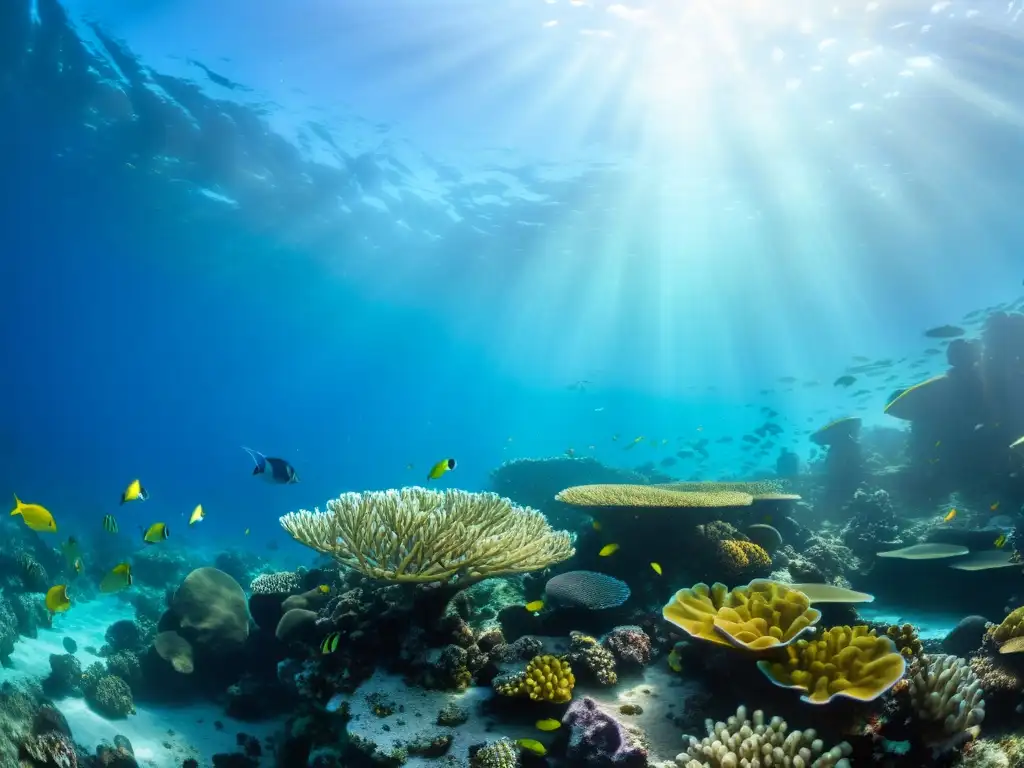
x=759, y=616
x=843, y=661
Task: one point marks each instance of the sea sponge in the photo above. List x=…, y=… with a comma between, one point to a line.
x=762, y=615
x=843, y=661
x=1011, y=626
x=640, y=496
x=422, y=536
x=586, y=651
x=740, y=741
x=738, y=556
x=944, y=689
x=211, y=606
x=546, y=678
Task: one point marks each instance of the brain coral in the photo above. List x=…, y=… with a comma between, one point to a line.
x=587, y=589
x=211, y=606
x=843, y=661
x=547, y=678
x=764, y=614
x=738, y=556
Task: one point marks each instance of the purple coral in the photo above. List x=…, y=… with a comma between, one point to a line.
x=598, y=740
x=630, y=646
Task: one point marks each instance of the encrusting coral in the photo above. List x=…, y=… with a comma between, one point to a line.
x=844, y=661
x=744, y=743
x=944, y=689
x=420, y=536
x=585, y=651
x=762, y=615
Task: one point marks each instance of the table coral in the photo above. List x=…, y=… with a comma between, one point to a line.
x=762, y=615
x=844, y=661
x=750, y=742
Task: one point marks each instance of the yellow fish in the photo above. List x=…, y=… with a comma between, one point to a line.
x=330, y=643
x=134, y=492
x=608, y=549
x=323, y=589
x=938, y=443
x=548, y=724
x=994, y=507
x=657, y=568
x=156, y=533
x=674, y=662
x=532, y=746
x=36, y=517
x=118, y=579
x=57, y=599
x=447, y=465
x=197, y=515
x=1001, y=541
x=595, y=525
x=534, y=606
x=949, y=516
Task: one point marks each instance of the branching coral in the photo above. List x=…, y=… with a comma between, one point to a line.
x=844, y=661
x=417, y=535
x=944, y=689
x=751, y=742
x=759, y=616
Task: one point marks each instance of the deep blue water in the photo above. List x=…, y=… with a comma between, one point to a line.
x=439, y=216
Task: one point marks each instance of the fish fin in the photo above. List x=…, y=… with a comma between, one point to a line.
x=257, y=470
x=17, y=506
x=257, y=457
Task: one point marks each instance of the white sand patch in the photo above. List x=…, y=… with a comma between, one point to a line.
x=162, y=736
x=930, y=625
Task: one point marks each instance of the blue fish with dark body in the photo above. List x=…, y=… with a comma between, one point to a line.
x=271, y=469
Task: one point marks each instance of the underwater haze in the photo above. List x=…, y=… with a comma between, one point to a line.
x=677, y=237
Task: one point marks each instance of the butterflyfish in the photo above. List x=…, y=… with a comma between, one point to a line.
x=272, y=470
x=656, y=567
x=949, y=516
x=608, y=549
x=118, y=579
x=323, y=589
x=36, y=516
x=436, y=471
x=197, y=515
x=674, y=662
x=57, y=599
x=548, y=724
x=330, y=643
x=532, y=746
x=156, y=533
x=534, y=606
x=109, y=524
x=134, y=492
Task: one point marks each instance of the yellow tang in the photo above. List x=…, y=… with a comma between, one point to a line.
x=949, y=516
x=197, y=515
x=674, y=662
x=323, y=589
x=657, y=568
x=608, y=549
x=57, y=599
x=536, y=605
x=330, y=643
x=548, y=724
x=447, y=465
x=994, y=506
x=533, y=746
x=1000, y=542
x=156, y=533
x=36, y=517
x=134, y=492
x=118, y=579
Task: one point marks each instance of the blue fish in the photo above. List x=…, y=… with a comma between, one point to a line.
x=272, y=470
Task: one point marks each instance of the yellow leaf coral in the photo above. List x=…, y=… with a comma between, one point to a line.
x=738, y=556
x=1012, y=626
x=762, y=615
x=547, y=678
x=844, y=661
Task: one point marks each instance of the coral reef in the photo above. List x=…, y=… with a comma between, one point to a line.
x=871, y=523
x=586, y=653
x=596, y=739
x=546, y=678
x=945, y=690
x=109, y=695
x=630, y=646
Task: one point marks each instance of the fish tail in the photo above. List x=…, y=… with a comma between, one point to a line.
x=17, y=506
